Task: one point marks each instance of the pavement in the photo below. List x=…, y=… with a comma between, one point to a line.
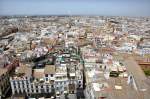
x=128, y=91
x=70, y=96
x=139, y=77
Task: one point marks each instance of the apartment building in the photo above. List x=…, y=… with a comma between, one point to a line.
x=70, y=63
x=4, y=82
x=96, y=84
x=43, y=78
x=7, y=65
x=32, y=81
x=21, y=80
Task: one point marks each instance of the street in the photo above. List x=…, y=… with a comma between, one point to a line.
x=70, y=96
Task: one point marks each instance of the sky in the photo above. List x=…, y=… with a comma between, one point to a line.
x=76, y=7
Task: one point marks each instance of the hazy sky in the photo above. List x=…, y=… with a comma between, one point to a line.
x=75, y=7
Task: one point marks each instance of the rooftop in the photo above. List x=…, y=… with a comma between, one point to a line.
x=49, y=69
x=38, y=74
x=2, y=71
x=25, y=70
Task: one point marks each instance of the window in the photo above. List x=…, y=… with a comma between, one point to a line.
x=14, y=86
x=105, y=67
x=57, y=88
x=31, y=86
x=46, y=79
x=80, y=82
x=18, y=83
x=100, y=66
x=27, y=82
x=52, y=86
x=47, y=90
x=36, y=86
x=15, y=91
x=27, y=86
x=79, y=86
x=46, y=86
x=41, y=86
x=36, y=90
x=14, y=83
x=28, y=90
x=32, y=90
x=46, y=75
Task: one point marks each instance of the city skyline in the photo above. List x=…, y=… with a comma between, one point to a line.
x=78, y=7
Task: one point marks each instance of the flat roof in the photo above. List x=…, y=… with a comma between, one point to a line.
x=38, y=74
x=3, y=71
x=140, y=78
x=126, y=91
x=24, y=69
x=49, y=69
x=134, y=69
